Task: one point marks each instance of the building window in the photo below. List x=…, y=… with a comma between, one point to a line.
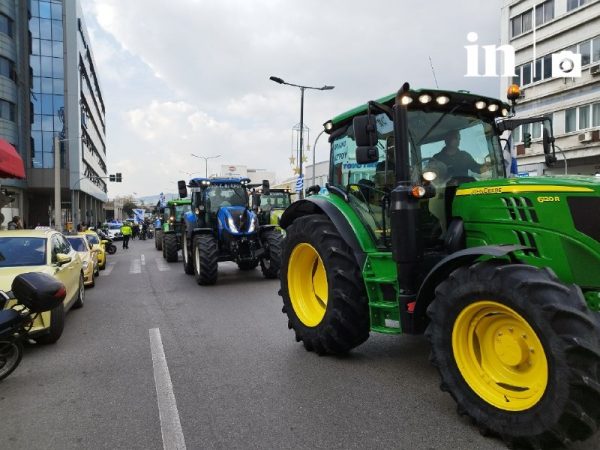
x=7, y=110
x=544, y=12
x=574, y=4
x=7, y=25
x=522, y=23
x=7, y=68
x=571, y=120
x=547, y=67
x=538, y=73
x=596, y=115
x=585, y=51
x=596, y=49
x=536, y=130
x=584, y=117
x=526, y=74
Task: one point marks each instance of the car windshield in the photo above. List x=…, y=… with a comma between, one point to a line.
x=114, y=227
x=92, y=239
x=78, y=244
x=225, y=195
x=22, y=251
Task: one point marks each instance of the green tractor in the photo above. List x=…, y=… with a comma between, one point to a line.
x=269, y=203
x=420, y=230
x=168, y=236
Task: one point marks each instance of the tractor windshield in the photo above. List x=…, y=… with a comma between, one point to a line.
x=275, y=200
x=180, y=210
x=457, y=147
x=225, y=195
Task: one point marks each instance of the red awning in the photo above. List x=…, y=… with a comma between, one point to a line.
x=11, y=164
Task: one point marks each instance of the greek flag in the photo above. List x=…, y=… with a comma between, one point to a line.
x=138, y=215
x=162, y=200
x=300, y=183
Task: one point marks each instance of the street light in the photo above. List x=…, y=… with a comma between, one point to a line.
x=314, y=155
x=205, y=158
x=302, y=89
x=189, y=174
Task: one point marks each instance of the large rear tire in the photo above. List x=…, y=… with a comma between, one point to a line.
x=519, y=352
x=158, y=240
x=322, y=288
x=206, y=259
x=188, y=264
x=57, y=325
x=11, y=353
x=272, y=241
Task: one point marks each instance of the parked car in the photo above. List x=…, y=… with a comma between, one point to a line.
x=89, y=258
x=113, y=230
x=97, y=244
x=46, y=251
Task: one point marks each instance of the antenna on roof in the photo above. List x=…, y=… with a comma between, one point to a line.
x=433, y=71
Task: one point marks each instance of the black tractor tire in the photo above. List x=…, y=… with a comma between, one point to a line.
x=170, y=247
x=80, y=294
x=186, y=255
x=158, y=241
x=345, y=324
x=248, y=265
x=57, y=325
x=206, y=259
x=569, y=334
x=272, y=241
x=11, y=353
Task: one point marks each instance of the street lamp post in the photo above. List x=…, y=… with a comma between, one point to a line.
x=314, y=156
x=302, y=89
x=205, y=158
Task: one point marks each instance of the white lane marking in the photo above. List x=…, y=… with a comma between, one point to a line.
x=135, y=266
x=109, y=268
x=170, y=426
x=163, y=266
x=143, y=258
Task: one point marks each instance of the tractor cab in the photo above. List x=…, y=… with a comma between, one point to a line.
x=173, y=212
x=269, y=203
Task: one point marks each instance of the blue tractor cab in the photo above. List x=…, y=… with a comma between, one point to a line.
x=222, y=227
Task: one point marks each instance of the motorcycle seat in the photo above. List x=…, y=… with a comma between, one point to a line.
x=9, y=319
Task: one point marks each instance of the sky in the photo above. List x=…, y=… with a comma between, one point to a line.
x=192, y=76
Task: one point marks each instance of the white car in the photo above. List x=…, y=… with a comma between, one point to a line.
x=114, y=231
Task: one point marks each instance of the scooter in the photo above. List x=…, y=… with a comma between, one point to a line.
x=35, y=293
x=110, y=248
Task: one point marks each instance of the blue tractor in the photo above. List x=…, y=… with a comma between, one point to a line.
x=221, y=227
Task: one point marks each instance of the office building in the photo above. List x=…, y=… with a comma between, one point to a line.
x=538, y=30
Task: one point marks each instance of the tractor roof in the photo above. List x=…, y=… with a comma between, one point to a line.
x=197, y=182
x=456, y=97
x=179, y=201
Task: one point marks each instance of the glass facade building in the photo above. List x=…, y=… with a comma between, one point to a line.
x=48, y=82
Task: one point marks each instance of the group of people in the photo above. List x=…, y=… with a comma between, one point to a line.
x=131, y=231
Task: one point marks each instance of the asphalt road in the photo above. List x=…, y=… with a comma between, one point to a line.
x=239, y=378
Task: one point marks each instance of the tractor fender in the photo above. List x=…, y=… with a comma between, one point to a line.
x=445, y=267
x=319, y=206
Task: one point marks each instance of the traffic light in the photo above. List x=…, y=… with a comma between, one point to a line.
x=111, y=178
x=118, y=177
x=527, y=140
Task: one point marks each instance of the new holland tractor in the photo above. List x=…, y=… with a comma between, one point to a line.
x=172, y=226
x=221, y=227
x=270, y=203
x=419, y=230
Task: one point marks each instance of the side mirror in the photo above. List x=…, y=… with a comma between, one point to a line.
x=181, y=186
x=266, y=188
x=367, y=155
x=365, y=131
x=62, y=259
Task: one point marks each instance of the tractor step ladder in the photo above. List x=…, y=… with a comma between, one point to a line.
x=382, y=289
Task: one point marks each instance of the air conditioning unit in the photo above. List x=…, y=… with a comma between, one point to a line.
x=595, y=70
x=586, y=137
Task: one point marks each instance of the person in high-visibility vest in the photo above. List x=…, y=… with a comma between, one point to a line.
x=126, y=231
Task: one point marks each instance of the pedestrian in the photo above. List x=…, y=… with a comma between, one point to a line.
x=126, y=232
x=15, y=224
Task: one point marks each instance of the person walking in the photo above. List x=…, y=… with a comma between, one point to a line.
x=126, y=232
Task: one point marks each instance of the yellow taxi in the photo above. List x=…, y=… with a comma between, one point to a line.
x=47, y=251
x=97, y=244
x=89, y=258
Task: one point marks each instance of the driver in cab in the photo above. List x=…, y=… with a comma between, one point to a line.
x=458, y=162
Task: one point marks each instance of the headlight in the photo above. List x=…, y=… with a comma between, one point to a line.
x=253, y=225
x=231, y=224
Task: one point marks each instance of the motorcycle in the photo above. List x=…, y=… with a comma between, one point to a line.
x=110, y=248
x=35, y=293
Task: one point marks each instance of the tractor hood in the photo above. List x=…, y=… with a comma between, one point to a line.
x=237, y=220
x=548, y=184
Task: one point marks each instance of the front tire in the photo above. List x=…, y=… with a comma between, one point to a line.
x=206, y=259
x=272, y=240
x=321, y=284
x=188, y=265
x=519, y=352
x=170, y=247
x=11, y=353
